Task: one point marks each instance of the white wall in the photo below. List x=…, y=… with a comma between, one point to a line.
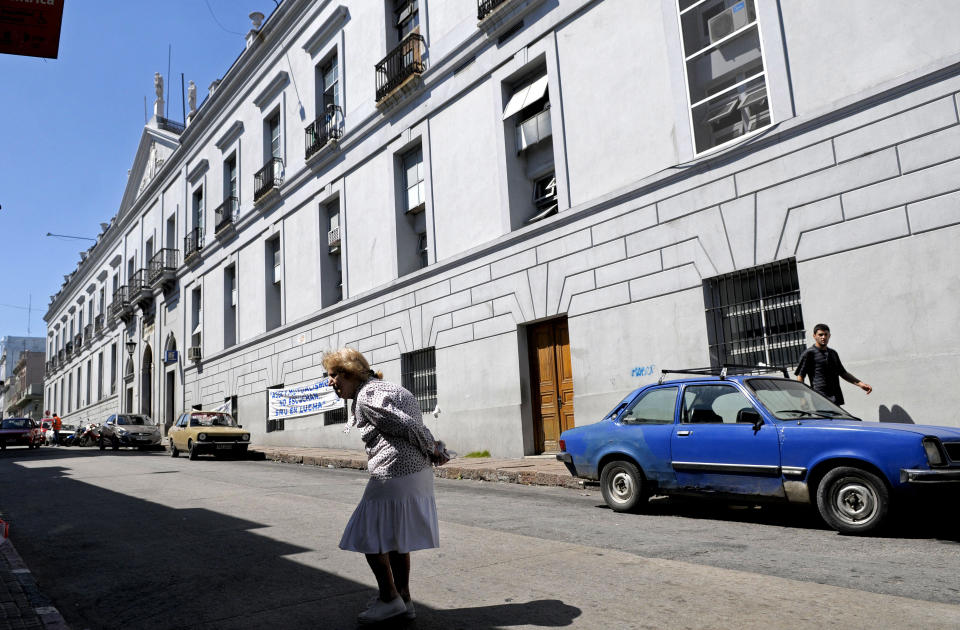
x=837, y=49
x=620, y=349
x=369, y=213
x=466, y=189
x=619, y=115
x=892, y=312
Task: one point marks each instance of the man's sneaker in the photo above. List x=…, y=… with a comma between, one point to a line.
x=380, y=610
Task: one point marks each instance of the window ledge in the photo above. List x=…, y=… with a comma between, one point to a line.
x=417, y=209
x=506, y=15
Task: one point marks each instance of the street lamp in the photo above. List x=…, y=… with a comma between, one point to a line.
x=131, y=347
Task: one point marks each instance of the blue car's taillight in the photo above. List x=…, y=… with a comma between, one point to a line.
x=563, y=445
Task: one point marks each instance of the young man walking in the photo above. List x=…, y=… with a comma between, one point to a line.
x=823, y=366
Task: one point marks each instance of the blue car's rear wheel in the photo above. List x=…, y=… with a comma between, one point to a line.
x=852, y=500
x=622, y=486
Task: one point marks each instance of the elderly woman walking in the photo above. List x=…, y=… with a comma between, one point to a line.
x=397, y=513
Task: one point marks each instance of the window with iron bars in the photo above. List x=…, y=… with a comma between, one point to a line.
x=336, y=416
x=418, y=373
x=754, y=316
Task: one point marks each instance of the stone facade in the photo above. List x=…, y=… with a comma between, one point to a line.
x=858, y=187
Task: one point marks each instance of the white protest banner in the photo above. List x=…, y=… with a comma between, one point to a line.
x=305, y=400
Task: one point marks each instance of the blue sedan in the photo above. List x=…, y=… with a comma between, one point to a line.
x=761, y=437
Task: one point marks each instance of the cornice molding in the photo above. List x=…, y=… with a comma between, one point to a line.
x=230, y=135
x=326, y=30
x=276, y=85
x=193, y=174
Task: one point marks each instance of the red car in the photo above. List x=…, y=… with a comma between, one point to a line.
x=20, y=432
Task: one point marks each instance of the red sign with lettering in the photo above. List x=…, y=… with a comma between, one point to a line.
x=30, y=27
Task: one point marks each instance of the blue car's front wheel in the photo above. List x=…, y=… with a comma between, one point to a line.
x=622, y=486
x=852, y=500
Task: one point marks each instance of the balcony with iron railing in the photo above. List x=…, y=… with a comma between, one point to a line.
x=137, y=284
x=225, y=215
x=326, y=128
x=78, y=342
x=399, y=72
x=88, y=334
x=501, y=17
x=192, y=243
x=121, y=306
x=61, y=356
x=486, y=7
x=98, y=324
x=162, y=268
x=268, y=178
x=68, y=349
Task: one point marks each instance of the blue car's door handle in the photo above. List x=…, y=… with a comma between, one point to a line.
x=683, y=433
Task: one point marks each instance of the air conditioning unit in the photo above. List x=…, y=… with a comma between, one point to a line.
x=276, y=274
x=333, y=237
x=193, y=353
x=233, y=297
x=733, y=18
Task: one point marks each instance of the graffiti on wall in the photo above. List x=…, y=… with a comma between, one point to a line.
x=642, y=370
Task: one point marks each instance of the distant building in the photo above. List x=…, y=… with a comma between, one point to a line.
x=25, y=395
x=522, y=210
x=10, y=350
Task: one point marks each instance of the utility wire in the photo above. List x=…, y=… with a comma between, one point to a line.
x=207, y=2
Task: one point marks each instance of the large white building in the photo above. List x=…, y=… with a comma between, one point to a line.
x=523, y=209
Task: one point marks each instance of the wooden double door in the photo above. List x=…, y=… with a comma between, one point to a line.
x=551, y=382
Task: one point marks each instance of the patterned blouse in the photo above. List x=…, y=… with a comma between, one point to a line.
x=392, y=429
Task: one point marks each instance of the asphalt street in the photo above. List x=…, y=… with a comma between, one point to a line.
x=142, y=540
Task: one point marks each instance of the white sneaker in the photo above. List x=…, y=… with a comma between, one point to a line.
x=380, y=610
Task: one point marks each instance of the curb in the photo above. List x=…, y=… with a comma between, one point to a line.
x=40, y=604
x=523, y=477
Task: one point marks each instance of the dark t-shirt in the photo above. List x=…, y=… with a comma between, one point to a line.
x=824, y=369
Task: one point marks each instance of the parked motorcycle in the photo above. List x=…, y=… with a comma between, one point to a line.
x=89, y=435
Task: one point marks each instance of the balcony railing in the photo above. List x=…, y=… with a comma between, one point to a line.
x=61, y=356
x=486, y=7
x=226, y=214
x=88, y=334
x=98, y=324
x=325, y=128
x=121, y=302
x=163, y=266
x=192, y=243
x=402, y=63
x=170, y=125
x=69, y=349
x=78, y=342
x=137, y=284
x=268, y=177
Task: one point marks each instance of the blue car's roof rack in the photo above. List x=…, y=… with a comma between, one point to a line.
x=725, y=369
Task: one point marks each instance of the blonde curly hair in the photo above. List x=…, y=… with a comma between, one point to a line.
x=349, y=361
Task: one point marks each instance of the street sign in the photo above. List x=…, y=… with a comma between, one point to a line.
x=171, y=356
x=30, y=27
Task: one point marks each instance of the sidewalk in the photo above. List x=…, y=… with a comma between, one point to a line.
x=22, y=605
x=539, y=470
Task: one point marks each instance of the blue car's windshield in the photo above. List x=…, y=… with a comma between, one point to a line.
x=792, y=400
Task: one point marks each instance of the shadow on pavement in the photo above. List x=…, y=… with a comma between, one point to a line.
x=920, y=518
x=108, y=560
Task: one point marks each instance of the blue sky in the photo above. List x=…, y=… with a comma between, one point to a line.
x=69, y=127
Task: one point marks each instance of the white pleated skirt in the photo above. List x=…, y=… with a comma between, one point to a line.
x=398, y=514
